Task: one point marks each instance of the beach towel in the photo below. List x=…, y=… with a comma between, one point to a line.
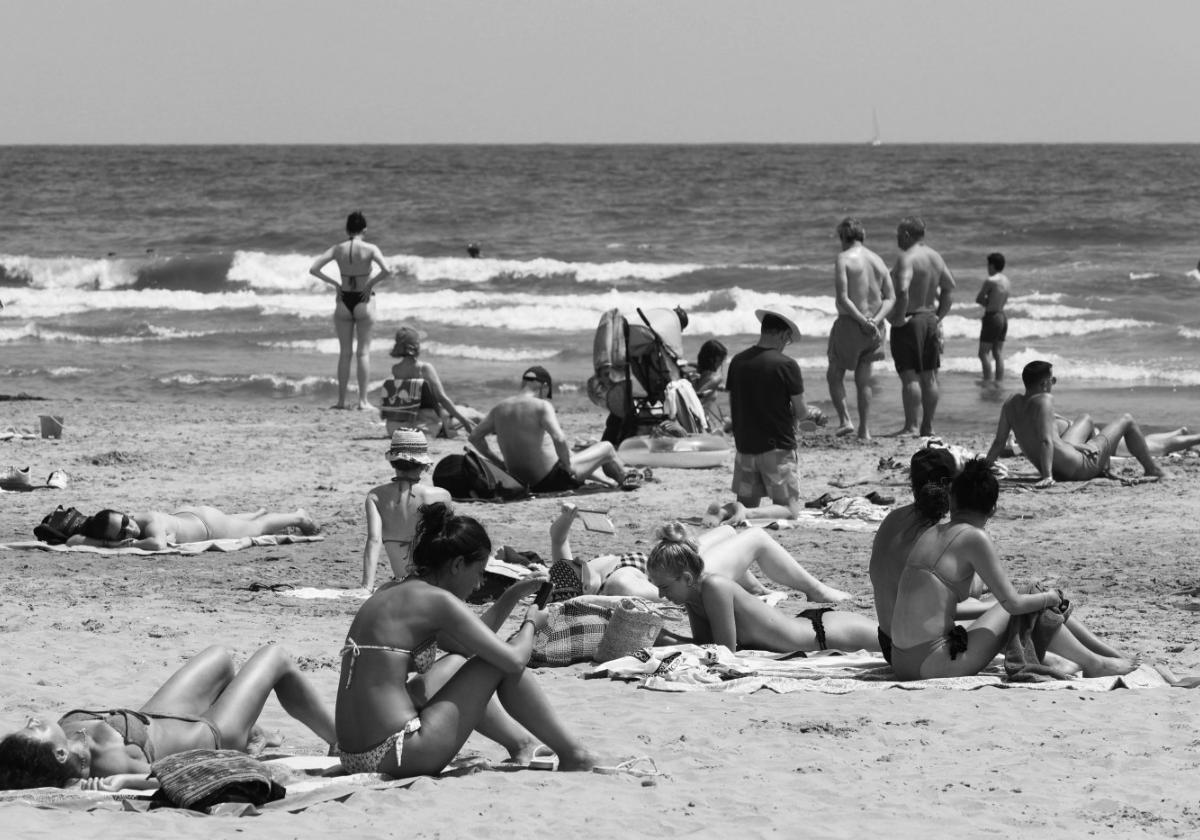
x=684, y=668
x=236, y=544
x=200, y=779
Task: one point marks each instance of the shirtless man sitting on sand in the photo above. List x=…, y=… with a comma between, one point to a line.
x=1073, y=454
x=533, y=445
x=154, y=530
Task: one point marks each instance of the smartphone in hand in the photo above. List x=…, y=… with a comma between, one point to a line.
x=543, y=594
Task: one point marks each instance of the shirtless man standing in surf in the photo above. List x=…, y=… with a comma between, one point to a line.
x=862, y=288
x=923, y=289
x=1073, y=454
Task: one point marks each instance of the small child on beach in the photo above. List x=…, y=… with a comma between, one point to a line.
x=994, y=328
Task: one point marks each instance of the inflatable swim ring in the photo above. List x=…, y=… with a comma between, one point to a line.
x=695, y=452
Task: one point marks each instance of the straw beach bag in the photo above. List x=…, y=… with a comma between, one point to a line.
x=633, y=626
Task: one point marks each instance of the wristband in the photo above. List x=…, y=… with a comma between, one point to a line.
x=528, y=621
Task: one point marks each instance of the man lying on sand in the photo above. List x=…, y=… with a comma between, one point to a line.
x=534, y=447
x=1074, y=454
x=154, y=530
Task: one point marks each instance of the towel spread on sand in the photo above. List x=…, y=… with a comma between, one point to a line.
x=235, y=544
x=302, y=776
x=679, y=668
x=808, y=518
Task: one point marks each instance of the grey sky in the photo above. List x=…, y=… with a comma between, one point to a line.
x=394, y=71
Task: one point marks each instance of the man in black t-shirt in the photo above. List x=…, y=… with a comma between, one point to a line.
x=766, y=400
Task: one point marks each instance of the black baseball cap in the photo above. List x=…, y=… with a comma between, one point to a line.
x=537, y=373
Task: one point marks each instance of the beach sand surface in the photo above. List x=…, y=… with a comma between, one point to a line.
x=97, y=631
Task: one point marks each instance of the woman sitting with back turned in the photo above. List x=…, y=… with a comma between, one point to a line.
x=204, y=705
x=388, y=723
x=393, y=509
x=722, y=612
x=926, y=642
x=414, y=396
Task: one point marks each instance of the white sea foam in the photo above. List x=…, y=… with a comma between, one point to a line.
x=71, y=272
x=1188, y=332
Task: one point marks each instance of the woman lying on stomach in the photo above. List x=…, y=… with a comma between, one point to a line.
x=389, y=721
x=926, y=642
x=204, y=705
x=722, y=612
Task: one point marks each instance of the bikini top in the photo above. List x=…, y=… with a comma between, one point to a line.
x=350, y=261
x=420, y=658
x=962, y=587
x=133, y=727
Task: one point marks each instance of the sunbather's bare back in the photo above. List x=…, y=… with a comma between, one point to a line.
x=522, y=425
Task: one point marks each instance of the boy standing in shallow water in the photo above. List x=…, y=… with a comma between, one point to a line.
x=994, y=328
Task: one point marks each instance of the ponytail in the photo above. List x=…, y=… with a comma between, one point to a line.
x=441, y=536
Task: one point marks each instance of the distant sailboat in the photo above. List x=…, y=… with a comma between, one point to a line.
x=875, y=139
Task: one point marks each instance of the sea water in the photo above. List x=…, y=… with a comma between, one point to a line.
x=177, y=272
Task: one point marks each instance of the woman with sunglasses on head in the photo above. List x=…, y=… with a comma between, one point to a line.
x=403, y=711
x=941, y=568
x=206, y=704
x=393, y=509
x=722, y=612
x=354, y=312
x=154, y=530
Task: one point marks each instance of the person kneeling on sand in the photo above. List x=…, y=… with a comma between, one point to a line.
x=533, y=445
x=1075, y=454
x=154, y=530
x=390, y=723
x=204, y=705
x=941, y=568
x=721, y=612
x=725, y=551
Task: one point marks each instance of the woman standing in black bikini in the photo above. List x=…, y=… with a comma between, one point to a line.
x=355, y=309
x=203, y=705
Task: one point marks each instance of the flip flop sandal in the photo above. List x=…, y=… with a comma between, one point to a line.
x=632, y=480
x=877, y=498
x=543, y=758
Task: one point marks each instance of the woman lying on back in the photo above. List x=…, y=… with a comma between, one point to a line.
x=942, y=564
x=390, y=723
x=722, y=612
x=204, y=705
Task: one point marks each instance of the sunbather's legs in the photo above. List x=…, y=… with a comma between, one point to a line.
x=732, y=558
x=1067, y=645
x=195, y=686
x=224, y=526
x=1079, y=431
x=270, y=669
x=850, y=631
x=496, y=723
x=599, y=456
x=1124, y=427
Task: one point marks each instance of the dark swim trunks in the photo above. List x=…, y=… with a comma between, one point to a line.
x=556, y=481
x=994, y=328
x=915, y=344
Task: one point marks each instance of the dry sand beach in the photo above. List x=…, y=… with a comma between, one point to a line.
x=82, y=629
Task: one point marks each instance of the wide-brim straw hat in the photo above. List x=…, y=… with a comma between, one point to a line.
x=409, y=445
x=784, y=313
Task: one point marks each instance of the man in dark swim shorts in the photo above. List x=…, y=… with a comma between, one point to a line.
x=923, y=289
x=994, y=327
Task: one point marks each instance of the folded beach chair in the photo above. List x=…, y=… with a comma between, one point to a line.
x=638, y=375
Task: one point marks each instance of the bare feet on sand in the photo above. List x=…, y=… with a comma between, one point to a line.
x=307, y=527
x=907, y=431
x=843, y=430
x=1111, y=666
x=823, y=594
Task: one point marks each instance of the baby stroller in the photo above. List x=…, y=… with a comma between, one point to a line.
x=638, y=375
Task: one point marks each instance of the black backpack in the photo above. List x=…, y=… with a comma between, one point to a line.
x=59, y=525
x=471, y=476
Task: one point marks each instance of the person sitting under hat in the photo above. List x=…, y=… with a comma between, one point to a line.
x=766, y=403
x=533, y=445
x=414, y=396
x=155, y=530
x=393, y=509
